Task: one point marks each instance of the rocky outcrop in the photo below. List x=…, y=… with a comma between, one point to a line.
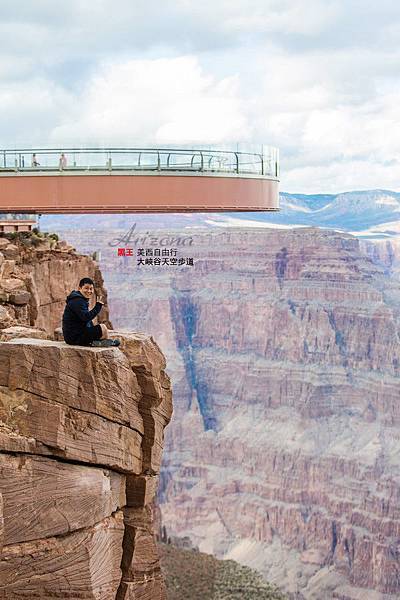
x=284, y=453
x=81, y=437
x=36, y=279
x=385, y=252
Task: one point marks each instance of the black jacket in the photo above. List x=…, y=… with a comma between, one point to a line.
x=77, y=316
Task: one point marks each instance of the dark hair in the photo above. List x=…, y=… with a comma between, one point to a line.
x=86, y=280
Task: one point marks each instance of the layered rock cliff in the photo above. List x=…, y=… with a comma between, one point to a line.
x=384, y=252
x=284, y=351
x=81, y=438
x=81, y=433
x=35, y=280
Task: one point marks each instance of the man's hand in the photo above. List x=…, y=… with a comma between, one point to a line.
x=100, y=300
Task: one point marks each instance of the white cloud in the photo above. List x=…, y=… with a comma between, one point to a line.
x=313, y=78
x=342, y=176
x=283, y=16
x=157, y=101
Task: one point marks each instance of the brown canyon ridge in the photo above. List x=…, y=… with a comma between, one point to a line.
x=81, y=436
x=283, y=348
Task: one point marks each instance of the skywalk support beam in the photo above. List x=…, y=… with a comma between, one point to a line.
x=134, y=192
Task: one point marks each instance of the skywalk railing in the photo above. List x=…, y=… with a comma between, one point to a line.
x=265, y=163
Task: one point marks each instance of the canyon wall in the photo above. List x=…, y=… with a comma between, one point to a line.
x=284, y=452
x=385, y=252
x=81, y=439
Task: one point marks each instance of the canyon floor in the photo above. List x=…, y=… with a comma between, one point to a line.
x=198, y=576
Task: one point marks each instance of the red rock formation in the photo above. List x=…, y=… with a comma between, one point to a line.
x=84, y=564
x=284, y=451
x=35, y=280
x=385, y=252
x=81, y=437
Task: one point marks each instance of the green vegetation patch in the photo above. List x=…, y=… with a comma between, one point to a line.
x=192, y=575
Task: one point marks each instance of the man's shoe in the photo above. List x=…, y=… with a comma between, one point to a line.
x=105, y=343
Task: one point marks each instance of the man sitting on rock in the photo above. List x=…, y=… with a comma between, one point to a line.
x=77, y=323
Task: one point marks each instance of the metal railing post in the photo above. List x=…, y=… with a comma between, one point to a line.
x=237, y=162
x=192, y=160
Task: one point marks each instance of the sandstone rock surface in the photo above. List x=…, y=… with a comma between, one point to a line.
x=140, y=562
x=155, y=407
x=22, y=332
x=75, y=425
x=10, y=251
x=39, y=280
x=6, y=268
x=7, y=318
x=98, y=381
x=84, y=565
x=45, y=497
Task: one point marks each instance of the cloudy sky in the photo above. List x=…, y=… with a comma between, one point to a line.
x=319, y=79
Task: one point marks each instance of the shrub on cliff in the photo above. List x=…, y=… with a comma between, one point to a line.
x=199, y=576
x=35, y=241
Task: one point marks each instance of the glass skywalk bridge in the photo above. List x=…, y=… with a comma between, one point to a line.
x=70, y=180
